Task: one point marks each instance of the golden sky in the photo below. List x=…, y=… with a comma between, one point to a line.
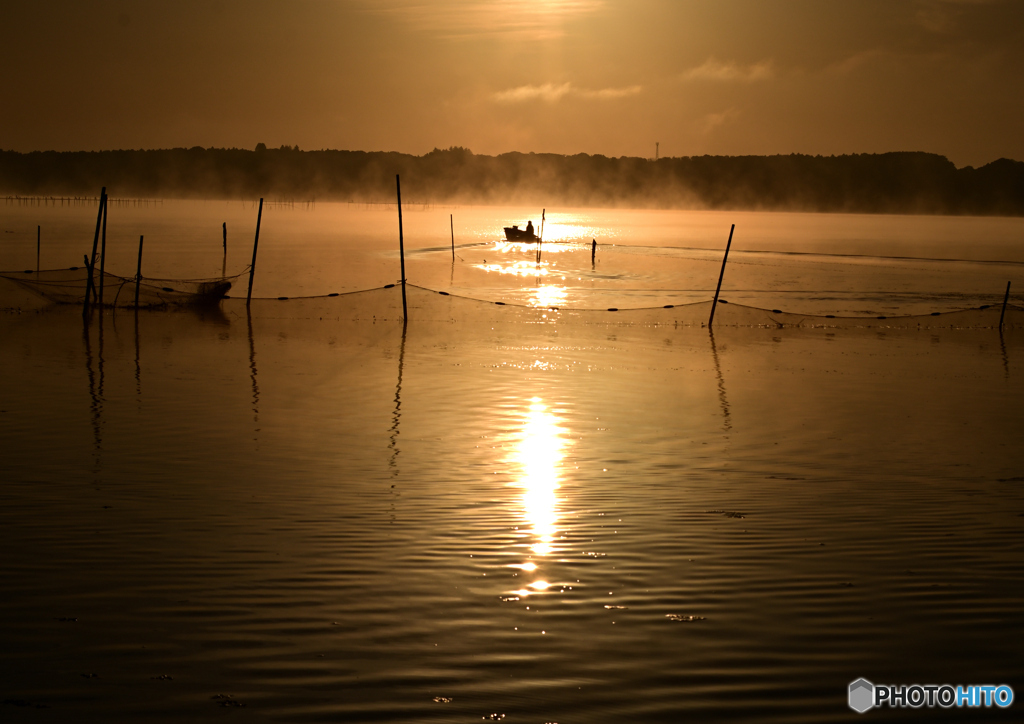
x=564, y=76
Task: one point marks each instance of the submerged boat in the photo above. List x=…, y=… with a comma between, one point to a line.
x=514, y=233
x=69, y=286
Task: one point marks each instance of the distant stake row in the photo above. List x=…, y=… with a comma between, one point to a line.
x=99, y=247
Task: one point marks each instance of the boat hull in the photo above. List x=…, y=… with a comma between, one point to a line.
x=514, y=233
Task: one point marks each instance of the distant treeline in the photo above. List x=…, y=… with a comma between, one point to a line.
x=871, y=183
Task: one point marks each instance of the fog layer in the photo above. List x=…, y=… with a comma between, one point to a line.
x=870, y=183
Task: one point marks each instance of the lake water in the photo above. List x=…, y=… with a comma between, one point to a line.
x=545, y=511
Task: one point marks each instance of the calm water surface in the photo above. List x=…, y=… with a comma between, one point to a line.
x=842, y=264
x=323, y=514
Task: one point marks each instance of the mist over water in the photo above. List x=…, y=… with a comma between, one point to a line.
x=842, y=264
x=306, y=510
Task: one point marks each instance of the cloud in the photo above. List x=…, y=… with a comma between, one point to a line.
x=608, y=93
x=713, y=121
x=858, y=61
x=552, y=93
x=715, y=70
x=548, y=92
x=524, y=19
x=942, y=16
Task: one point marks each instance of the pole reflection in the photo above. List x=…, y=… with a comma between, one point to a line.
x=252, y=369
x=396, y=416
x=538, y=451
x=726, y=422
x=96, y=381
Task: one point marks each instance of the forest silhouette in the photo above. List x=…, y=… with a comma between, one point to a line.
x=900, y=182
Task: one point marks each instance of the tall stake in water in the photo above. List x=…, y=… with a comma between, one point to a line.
x=451, y=219
x=88, y=287
x=721, y=274
x=1006, y=298
x=103, y=248
x=39, y=233
x=138, y=274
x=255, y=246
x=401, y=245
x=541, y=239
x=90, y=261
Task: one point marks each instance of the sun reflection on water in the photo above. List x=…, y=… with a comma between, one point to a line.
x=534, y=260
x=567, y=231
x=538, y=452
x=519, y=268
x=548, y=296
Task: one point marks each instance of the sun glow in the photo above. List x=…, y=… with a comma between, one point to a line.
x=548, y=296
x=538, y=453
x=518, y=268
x=571, y=236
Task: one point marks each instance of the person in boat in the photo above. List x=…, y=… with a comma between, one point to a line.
x=529, y=228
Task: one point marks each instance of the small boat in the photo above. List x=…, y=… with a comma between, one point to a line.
x=514, y=233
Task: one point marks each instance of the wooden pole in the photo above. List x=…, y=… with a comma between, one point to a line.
x=90, y=286
x=224, y=264
x=451, y=218
x=103, y=248
x=39, y=233
x=138, y=274
x=1006, y=298
x=721, y=274
x=593, y=252
x=401, y=245
x=541, y=239
x=255, y=246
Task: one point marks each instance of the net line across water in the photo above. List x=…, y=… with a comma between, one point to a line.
x=425, y=302
x=67, y=286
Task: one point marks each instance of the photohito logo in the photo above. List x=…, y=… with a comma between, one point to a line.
x=864, y=695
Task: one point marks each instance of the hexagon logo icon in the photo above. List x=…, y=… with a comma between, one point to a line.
x=862, y=695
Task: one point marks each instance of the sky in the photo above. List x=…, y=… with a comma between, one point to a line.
x=611, y=77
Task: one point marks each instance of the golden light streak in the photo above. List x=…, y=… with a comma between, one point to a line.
x=548, y=296
x=538, y=453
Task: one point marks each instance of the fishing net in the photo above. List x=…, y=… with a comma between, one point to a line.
x=429, y=306
x=68, y=286
x=425, y=305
